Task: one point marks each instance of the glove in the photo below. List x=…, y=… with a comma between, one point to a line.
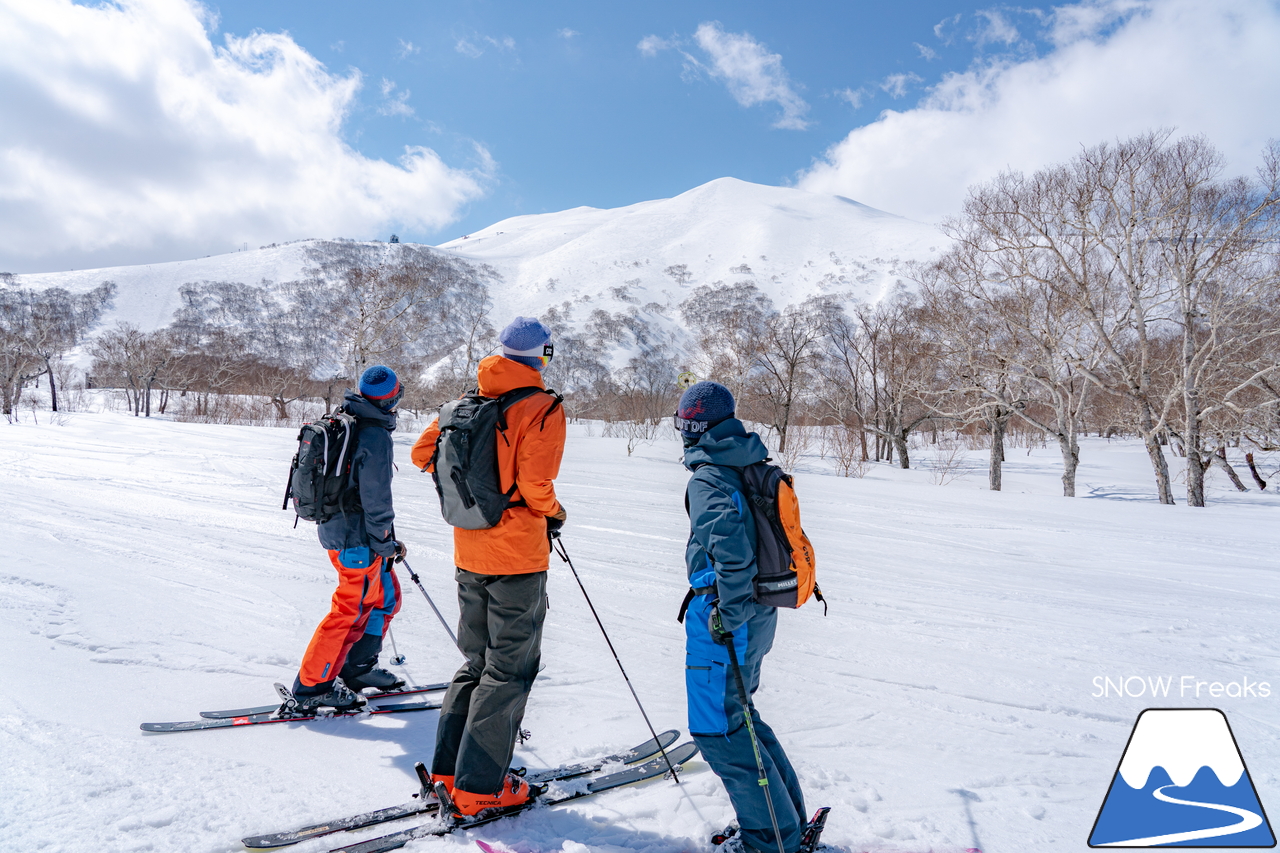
x=718, y=634
x=556, y=520
x=401, y=551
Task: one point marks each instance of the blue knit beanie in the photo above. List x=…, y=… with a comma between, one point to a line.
x=528, y=342
x=380, y=386
x=703, y=406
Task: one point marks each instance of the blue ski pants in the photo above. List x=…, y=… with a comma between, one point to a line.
x=717, y=722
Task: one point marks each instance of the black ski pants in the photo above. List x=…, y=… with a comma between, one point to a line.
x=500, y=633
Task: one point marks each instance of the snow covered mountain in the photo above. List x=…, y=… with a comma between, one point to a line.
x=791, y=243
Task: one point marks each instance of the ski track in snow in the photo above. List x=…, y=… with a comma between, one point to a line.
x=945, y=702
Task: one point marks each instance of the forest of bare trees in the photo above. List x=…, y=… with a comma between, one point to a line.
x=1131, y=292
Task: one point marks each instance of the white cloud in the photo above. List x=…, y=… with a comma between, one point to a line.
x=567, y=33
x=996, y=29
x=650, y=45
x=926, y=53
x=1118, y=68
x=752, y=74
x=394, y=103
x=854, y=97
x=473, y=47
x=126, y=134
x=897, y=84
x=407, y=49
x=466, y=48
x=941, y=28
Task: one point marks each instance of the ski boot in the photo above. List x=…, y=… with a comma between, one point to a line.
x=339, y=698
x=378, y=679
x=461, y=806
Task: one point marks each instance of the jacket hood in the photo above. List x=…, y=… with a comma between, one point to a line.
x=726, y=443
x=357, y=405
x=498, y=375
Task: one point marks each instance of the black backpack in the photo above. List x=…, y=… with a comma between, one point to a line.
x=465, y=462
x=321, y=471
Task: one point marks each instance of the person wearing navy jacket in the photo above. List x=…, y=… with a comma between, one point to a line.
x=342, y=657
x=721, y=564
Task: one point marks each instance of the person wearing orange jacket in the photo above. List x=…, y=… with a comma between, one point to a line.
x=502, y=580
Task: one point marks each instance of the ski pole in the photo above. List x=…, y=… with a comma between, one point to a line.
x=397, y=659
x=559, y=545
x=751, y=729
x=414, y=577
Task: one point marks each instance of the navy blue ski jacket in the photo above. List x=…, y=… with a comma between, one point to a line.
x=369, y=520
x=722, y=553
x=722, y=537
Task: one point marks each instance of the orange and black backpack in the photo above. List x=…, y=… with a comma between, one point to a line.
x=786, y=565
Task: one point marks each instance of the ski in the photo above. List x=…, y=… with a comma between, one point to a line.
x=421, y=806
x=272, y=717
x=652, y=768
x=267, y=709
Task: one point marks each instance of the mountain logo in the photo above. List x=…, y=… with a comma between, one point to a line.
x=1182, y=782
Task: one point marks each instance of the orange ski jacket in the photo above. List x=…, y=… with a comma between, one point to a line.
x=517, y=545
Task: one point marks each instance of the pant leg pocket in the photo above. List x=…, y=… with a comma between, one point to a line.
x=704, y=681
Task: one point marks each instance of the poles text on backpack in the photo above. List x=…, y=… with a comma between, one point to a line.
x=559, y=546
x=751, y=729
x=414, y=577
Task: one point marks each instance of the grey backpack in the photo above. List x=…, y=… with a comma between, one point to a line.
x=465, y=462
x=320, y=474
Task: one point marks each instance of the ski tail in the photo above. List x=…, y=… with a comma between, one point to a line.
x=426, y=803
x=651, y=769
x=813, y=830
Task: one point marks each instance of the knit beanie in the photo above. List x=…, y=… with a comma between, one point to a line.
x=528, y=342
x=703, y=406
x=379, y=386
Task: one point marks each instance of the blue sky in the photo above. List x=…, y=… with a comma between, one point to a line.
x=574, y=113
x=137, y=131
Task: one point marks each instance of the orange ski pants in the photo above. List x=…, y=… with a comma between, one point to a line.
x=360, y=593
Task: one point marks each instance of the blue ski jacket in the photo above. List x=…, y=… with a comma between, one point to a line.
x=369, y=521
x=722, y=553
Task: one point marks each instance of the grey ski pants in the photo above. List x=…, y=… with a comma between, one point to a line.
x=500, y=633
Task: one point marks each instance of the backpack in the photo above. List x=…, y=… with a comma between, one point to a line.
x=786, y=565
x=321, y=469
x=465, y=462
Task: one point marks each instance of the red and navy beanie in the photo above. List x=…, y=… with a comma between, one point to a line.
x=380, y=386
x=702, y=407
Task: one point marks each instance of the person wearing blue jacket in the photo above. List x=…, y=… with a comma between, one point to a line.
x=721, y=565
x=343, y=654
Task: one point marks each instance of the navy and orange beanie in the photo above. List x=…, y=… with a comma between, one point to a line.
x=702, y=407
x=379, y=386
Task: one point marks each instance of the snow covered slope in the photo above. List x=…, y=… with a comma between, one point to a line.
x=148, y=294
x=950, y=700
x=791, y=243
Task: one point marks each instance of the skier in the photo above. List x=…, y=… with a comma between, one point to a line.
x=501, y=573
x=721, y=564
x=342, y=657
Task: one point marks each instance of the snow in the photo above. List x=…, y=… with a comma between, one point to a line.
x=950, y=699
x=795, y=244
x=791, y=243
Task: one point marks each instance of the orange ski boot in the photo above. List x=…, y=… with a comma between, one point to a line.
x=514, y=792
